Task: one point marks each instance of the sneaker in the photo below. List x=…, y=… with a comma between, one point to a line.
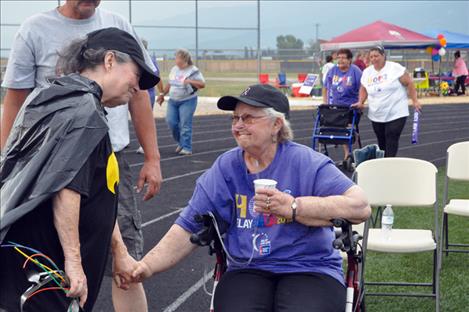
x=178, y=149
x=185, y=152
x=139, y=150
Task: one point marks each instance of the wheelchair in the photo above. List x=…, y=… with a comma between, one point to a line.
x=347, y=240
x=336, y=124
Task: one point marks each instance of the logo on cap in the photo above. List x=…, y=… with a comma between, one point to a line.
x=245, y=92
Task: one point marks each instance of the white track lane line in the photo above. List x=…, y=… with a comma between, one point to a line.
x=201, y=141
x=184, y=175
x=181, y=176
x=194, y=288
x=189, y=156
x=201, y=132
x=161, y=217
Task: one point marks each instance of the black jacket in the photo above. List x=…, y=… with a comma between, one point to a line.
x=55, y=132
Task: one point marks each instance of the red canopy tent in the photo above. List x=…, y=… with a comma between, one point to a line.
x=379, y=33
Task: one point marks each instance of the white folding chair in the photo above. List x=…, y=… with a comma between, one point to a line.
x=457, y=169
x=401, y=182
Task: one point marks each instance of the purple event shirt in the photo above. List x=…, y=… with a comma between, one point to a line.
x=342, y=87
x=280, y=246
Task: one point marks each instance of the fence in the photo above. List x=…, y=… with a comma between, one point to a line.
x=244, y=59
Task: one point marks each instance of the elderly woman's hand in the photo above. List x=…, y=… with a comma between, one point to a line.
x=141, y=272
x=123, y=267
x=273, y=201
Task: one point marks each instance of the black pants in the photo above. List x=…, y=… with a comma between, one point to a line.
x=388, y=134
x=460, y=83
x=260, y=291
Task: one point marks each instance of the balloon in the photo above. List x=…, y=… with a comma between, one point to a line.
x=434, y=51
x=440, y=36
x=429, y=50
x=436, y=58
x=443, y=42
x=441, y=52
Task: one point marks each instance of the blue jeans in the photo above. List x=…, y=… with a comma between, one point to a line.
x=179, y=118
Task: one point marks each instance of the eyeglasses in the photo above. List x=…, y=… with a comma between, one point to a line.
x=246, y=119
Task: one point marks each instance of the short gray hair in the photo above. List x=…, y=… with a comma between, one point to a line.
x=77, y=57
x=286, y=132
x=185, y=55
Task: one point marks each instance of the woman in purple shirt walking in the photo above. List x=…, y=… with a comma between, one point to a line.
x=342, y=85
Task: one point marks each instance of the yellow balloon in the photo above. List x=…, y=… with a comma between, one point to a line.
x=429, y=50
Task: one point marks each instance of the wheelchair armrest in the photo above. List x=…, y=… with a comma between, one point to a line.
x=341, y=223
x=346, y=239
x=207, y=234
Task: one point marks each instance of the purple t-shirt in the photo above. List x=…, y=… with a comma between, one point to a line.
x=280, y=246
x=342, y=87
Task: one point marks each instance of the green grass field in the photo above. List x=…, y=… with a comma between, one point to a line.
x=225, y=86
x=220, y=88
x=454, y=287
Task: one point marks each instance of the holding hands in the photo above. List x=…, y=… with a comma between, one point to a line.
x=123, y=266
x=141, y=272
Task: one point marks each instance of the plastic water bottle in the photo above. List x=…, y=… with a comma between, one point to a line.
x=387, y=221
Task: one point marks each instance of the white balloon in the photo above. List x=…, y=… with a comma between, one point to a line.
x=442, y=51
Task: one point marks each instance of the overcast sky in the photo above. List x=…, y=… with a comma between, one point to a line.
x=277, y=17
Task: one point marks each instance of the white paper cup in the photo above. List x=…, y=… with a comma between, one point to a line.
x=264, y=184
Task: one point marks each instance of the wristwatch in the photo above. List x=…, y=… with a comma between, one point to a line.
x=294, y=205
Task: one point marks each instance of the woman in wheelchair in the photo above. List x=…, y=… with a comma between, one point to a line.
x=342, y=85
x=278, y=241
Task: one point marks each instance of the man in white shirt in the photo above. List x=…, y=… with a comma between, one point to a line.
x=32, y=60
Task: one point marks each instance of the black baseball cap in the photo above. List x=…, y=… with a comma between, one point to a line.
x=115, y=39
x=259, y=95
